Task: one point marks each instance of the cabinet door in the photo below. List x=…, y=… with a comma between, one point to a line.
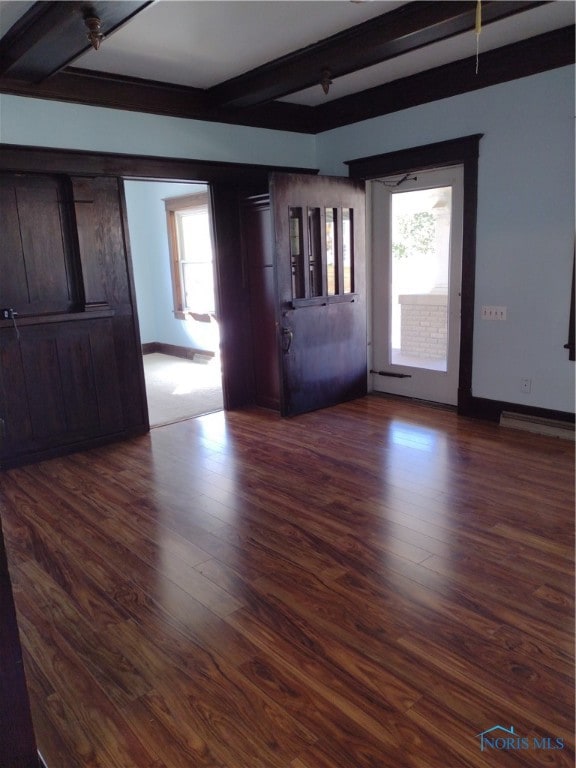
x=37, y=254
x=70, y=366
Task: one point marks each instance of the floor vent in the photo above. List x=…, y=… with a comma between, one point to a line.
x=551, y=427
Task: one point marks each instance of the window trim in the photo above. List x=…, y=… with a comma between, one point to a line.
x=175, y=205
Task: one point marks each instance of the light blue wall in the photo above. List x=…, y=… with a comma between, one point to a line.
x=37, y=122
x=75, y=126
x=151, y=263
x=525, y=238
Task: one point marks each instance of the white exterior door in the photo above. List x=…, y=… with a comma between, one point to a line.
x=417, y=275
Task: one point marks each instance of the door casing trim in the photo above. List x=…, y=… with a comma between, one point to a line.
x=462, y=151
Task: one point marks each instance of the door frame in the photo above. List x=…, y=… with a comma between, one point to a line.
x=226, y=182
x=462, y=151
x=410, y=379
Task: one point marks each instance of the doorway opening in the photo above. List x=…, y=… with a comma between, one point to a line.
x=170, y=227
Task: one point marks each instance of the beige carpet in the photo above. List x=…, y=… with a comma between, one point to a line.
x=179, y=389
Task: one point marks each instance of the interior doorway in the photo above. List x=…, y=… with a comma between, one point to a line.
x=179, y=333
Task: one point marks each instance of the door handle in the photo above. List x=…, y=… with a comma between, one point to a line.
x=287, y=337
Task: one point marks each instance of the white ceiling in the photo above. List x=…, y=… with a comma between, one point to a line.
x=511, y=30
x=200, y=43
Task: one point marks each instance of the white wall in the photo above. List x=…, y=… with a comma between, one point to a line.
x=151, y=263
x=525, y=237
x=42, y=123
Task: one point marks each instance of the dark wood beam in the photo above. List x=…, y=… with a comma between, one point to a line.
x=82, y=86
x=528, y=57
x=391, y=34
x=52, y=34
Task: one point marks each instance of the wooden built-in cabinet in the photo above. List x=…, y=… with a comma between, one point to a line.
x=70, y=372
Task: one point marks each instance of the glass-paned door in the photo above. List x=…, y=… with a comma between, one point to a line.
x=417, y=263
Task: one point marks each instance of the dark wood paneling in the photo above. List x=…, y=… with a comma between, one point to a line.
x=13, y=285
x=130, y=373
x=233, y=301
x=408, y=28
x=14, y=406
x=258, y=257
x=70, y=377
x=17, y=740
x=78, y=375
x=87, y=224
x=43, y=379
x=111, y=242
x=37, y=254
x=107, y=281
x=42, y=241
x=59, y=383
x=101, y=237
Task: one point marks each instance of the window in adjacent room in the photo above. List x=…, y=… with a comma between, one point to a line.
x=191, y=255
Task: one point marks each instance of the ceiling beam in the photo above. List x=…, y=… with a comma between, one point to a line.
x=52, y=34
x=83, y=86
x=522, y=59
x=391, y=34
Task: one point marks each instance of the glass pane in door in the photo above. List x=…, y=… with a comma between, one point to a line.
x=347, y=255
x=331, y=250
x=420, y=268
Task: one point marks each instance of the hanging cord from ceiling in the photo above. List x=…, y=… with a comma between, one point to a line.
x=478, y=30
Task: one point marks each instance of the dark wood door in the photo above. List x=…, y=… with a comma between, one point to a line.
x=70, y=364
x=320, y=273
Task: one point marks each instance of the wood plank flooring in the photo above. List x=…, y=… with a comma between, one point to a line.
x=367, y=586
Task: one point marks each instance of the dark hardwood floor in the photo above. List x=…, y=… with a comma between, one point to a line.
x=367, y=586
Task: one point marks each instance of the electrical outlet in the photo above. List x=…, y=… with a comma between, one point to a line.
x=493, y=313
x=500, y=313
x=525, y=385
x=7, y=314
